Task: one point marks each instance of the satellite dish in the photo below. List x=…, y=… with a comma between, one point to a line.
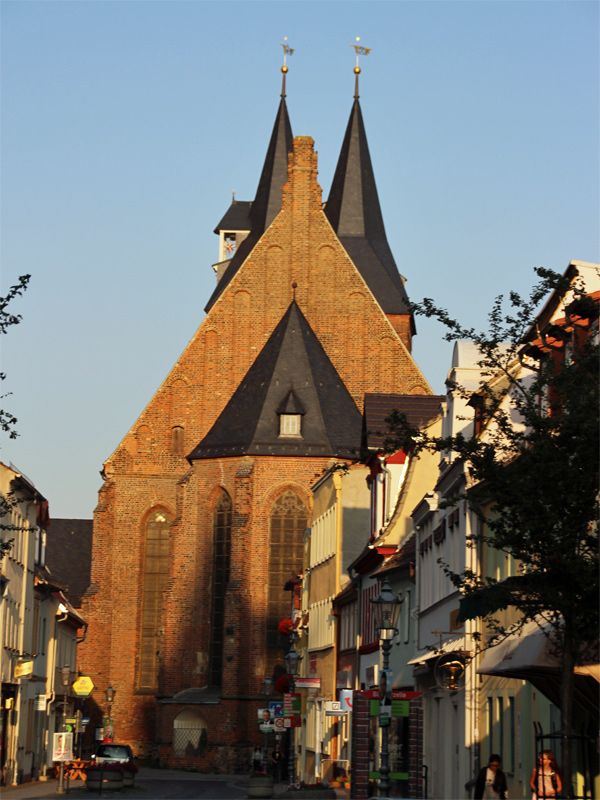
x=449, y=672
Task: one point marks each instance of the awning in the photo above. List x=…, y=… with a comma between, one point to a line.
x=528, y=655
x=450, y=646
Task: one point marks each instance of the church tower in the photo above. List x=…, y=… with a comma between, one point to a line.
x=201, y=517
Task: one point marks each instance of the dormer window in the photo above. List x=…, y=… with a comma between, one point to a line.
x=290, y=424
x=290, y=414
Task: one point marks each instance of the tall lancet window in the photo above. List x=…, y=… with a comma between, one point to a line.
x=222, y=515
x=156, y=562
x=289, y=519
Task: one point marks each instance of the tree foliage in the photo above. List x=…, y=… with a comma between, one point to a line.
x=533, y=467
x=8, y=420
x=7, y=320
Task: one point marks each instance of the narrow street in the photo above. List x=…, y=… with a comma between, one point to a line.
x=151, y=784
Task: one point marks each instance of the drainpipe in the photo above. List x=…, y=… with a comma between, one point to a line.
x=51, y=667
x=22, y=618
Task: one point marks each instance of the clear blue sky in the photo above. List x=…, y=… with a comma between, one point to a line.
x=126, y=125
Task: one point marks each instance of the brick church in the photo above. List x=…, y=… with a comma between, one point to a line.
x=201, y=517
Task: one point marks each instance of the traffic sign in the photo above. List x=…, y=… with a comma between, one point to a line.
x=83, y=686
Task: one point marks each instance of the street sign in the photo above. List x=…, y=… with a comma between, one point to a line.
x=83, y=686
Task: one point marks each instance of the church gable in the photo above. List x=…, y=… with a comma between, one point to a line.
x=300, y=247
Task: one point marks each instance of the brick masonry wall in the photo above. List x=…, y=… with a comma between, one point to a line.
x=359, y=785
x=145, y=473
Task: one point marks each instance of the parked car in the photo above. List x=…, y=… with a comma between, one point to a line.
x=115, y=757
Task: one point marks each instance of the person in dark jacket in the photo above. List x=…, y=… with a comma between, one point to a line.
x=491, y=781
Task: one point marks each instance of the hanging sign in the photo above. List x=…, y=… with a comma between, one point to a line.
x=333, y=708
x=40, y=702
x=345, y=698
x=307, y=683
x=83, y=686
x=24, y=669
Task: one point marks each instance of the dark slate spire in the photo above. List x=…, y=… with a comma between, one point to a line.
x=355, y=214
x=267, y=202
x=291, y=375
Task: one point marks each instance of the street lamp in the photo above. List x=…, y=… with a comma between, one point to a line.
x=292, y=662
x=109, y=696
x=386, y=610
x=65, y=674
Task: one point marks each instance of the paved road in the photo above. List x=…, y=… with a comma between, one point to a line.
x=151, y=784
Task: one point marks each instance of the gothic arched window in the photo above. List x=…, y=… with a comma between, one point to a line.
x=222, y=515
x=288, y=522
x=154, y=576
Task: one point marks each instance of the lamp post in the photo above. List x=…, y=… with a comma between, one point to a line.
x=65, y=675
x=386, y=609
x=109, y=696
x=292, y=661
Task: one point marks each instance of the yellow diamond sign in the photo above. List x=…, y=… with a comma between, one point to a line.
x=83, y=686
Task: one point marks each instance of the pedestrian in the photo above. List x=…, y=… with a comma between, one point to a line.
x=491, y=781
x=257, y=760
x=276, y=759
x=545, y=780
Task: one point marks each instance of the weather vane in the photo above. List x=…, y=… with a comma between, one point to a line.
x=360, y=51
x=287, y=51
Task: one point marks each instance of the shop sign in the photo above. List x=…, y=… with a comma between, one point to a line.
x=307, y=683
x=24, y=669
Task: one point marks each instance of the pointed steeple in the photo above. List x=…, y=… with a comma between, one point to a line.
x=267, y=201
x=292, y=376
x=355, y=214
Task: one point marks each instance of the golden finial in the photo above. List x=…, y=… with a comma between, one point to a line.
x=360, y=51
x=287, y=51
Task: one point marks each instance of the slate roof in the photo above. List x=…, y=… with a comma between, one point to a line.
x=69, y=555
x=355, y=215
x=236, y=218
x=292, y=360
x=418, y=408
x=267, y=202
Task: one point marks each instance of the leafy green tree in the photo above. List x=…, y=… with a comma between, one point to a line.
x=7, y=418
x=533, y=469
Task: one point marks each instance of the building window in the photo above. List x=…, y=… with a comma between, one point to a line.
x=289, y=519
x=177, y=440
x=222, y=516
x=290, y=425
x=155, y=575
